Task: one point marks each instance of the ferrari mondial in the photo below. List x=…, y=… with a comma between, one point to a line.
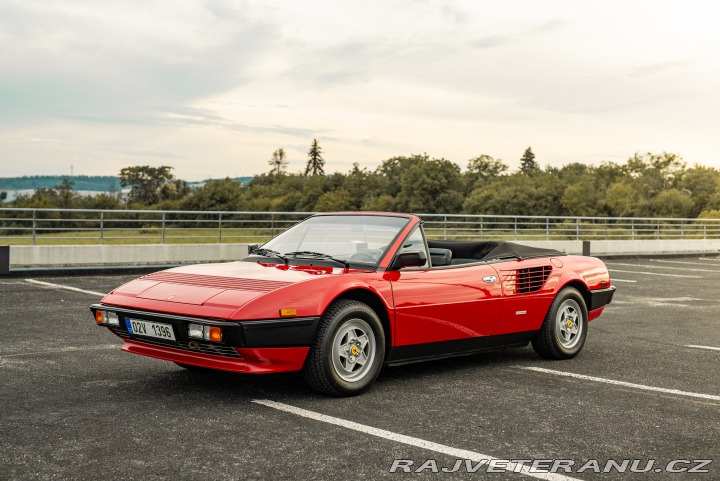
x=340, y=295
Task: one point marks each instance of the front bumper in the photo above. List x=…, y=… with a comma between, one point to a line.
x=257, y=346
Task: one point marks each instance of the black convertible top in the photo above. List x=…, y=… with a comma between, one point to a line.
x=489, y=250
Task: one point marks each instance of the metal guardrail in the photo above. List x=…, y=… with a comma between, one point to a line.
x=508, y=227
x=80, y=226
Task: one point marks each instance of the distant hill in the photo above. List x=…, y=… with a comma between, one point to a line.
x=99, y=183
x=105, y=183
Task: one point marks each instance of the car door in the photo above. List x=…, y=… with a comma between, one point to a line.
x=447, y=303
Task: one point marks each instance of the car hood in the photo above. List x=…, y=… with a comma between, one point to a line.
x=217, y=289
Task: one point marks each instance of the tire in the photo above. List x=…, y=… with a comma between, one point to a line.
x=564, y=330
x=349, y=332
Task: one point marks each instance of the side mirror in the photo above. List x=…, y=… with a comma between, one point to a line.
x=252, y=248
x=409, y=259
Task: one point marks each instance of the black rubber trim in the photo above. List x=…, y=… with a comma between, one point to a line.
x=299, y=331
x=232, y=331
x=460, y=347
x=601, y=297
x=150, y=315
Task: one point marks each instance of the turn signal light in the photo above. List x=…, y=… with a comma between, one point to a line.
x=214, y=334
x=288, y=312
x=99, y=317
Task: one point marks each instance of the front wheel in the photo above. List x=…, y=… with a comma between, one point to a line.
x=348, y=351
x=564, y=330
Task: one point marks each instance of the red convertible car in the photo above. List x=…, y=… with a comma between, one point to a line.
x=340, y=295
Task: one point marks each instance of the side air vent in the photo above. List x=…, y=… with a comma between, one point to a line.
x=525, y=281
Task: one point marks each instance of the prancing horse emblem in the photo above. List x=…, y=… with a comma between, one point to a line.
x=169, y=298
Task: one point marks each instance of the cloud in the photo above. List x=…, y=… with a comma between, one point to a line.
x=491, y=41
x=85, y=59
x=659, y=68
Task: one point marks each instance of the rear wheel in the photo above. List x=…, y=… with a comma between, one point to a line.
x=564, y=330
x=348, y=351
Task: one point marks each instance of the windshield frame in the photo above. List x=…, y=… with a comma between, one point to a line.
x=327, y=259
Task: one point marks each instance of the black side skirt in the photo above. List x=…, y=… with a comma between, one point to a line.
x=460, y=347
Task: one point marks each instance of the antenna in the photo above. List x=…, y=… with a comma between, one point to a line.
x=72, y=168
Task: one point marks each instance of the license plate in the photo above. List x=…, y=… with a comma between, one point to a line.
x=149, y=329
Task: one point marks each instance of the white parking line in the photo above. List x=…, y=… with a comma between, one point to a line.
x=622, y=383
x=67, y=288
x=622, y=280
x=685, y=269
x=409, y=440
x=63, y=350
x=683, y=262
x=716, y=259
x=709, y=348
x=654, y=274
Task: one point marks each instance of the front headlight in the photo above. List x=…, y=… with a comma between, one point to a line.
x=107, y=318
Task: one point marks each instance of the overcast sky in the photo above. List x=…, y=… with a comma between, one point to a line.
x=213, y=87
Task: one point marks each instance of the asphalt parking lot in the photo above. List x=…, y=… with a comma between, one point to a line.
x=645, y=387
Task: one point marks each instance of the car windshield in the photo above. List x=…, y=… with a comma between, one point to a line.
x=357, y=239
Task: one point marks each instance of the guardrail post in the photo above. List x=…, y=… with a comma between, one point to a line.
x=445, y=228
x=219, y=228
x=163, y=228
x=705, y=230
x=547, y=228
x=102, y=233
x=272, y=225
x=515, y=228
x=632, y=229
x=4, y=259
x=577, y=229
x=481, y=226
x=34, y=226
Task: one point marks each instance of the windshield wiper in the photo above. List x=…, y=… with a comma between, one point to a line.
x=270, y=253
x=318, y=255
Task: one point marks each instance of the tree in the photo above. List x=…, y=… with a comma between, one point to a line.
x=66, y=195
x=483, y=169
x=278, y=162
x=431, y=186
x=336, y=200
x=582, y=197
x=517, y=194
x=701, y=183
x=528, y=165
x=145, y=182
x=316, y=163
x=221, y=194
x=625, y=200
x=671, y=203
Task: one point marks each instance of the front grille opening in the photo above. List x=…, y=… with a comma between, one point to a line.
x=199, y=347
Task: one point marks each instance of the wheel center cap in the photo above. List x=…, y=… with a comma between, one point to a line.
x=354, y=351
x=569, y=324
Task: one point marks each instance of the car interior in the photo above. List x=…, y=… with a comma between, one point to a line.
x=451, y=252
